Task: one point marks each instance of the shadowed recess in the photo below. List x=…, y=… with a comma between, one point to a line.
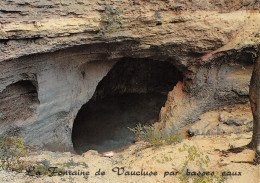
x=18, y=102
x=133, y=92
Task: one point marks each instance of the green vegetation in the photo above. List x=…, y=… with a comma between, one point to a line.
x=11, y=150
x=43, y=168
x=198, y=161
x=164, y=159
x=111, y=21
x=72, y=163
x=154, y=136
x=85, y=177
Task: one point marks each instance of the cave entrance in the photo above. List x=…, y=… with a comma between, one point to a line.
x=132, y=92
x=18, y=102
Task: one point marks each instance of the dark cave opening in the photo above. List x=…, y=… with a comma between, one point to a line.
x=132, y=92
x=18, y=102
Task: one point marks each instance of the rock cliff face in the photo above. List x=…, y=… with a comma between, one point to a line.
x=53, y=54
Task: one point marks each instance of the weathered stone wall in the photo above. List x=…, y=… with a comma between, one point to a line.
x=19, y=103
x=66, y=80
x=224, y=81
x=64, y=50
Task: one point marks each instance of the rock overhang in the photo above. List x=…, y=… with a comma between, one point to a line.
x=201, y=42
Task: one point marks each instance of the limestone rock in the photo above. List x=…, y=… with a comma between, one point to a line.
x=65, y=48
x=205, y=124
x=227, y=120
x=236, y=118
x=90, y=153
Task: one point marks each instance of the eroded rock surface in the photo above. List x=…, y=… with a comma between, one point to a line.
x=227, y=120
x=67, y=47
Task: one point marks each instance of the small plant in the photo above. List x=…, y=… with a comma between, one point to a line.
x=154, y=136
x=71, y=163
x=11, y=150
x=43, y=168
x=164, y=159
x=198, y=161
x=111, y=21
x=157, y=15
x=85, y=177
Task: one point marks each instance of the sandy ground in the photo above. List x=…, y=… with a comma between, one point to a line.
x=139, y=156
